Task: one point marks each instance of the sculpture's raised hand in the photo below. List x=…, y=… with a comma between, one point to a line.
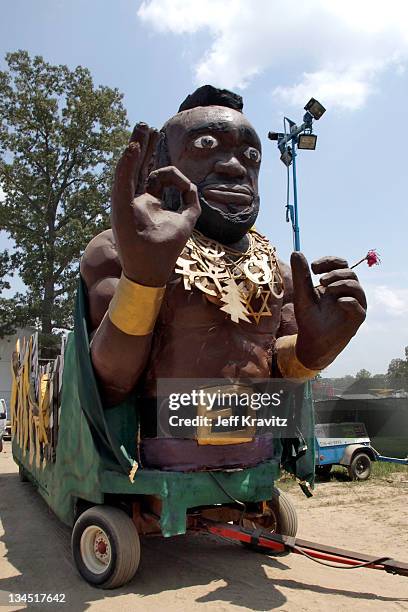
x=329, y=315
x=148, y=237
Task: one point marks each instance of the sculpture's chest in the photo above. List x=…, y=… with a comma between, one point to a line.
x=195, y=338
x=193, y=308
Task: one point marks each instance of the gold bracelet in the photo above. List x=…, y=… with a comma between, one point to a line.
x=288, y=363
x=134, y=308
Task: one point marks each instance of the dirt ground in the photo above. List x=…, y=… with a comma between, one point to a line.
x=188, y=573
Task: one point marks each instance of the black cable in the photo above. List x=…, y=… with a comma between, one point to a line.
x=296, y=548
x=357, y=566
x=236, y=501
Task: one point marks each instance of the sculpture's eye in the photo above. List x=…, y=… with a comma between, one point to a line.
x=253, y=154
x=206, y=142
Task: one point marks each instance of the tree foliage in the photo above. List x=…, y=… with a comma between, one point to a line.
x=7, y=307
x=363, y=374
x=398, y=371
x=60, y=136
x=4, y=270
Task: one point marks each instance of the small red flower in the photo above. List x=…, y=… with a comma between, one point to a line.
x=373, y=258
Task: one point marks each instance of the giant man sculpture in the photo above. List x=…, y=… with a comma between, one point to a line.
x=184, y=287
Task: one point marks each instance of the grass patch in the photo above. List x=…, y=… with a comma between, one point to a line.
x=381, y=470
x=385, y=471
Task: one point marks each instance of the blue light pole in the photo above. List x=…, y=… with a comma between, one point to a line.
x=298, y=137
x=295, y=220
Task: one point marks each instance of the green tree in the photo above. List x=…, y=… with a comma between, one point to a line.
x=4, y=270
x=363, y=374
x=379, y=379
x=6, y=305
x=397, y=374
x=348, y=379
x=60, y=136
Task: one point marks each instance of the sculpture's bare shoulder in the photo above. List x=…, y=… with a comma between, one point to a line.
x=101, y=270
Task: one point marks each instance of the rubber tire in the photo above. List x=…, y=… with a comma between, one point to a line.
x=124, y=542
x=22, y=474
x=323, y=470
x=353, y=467
x=286, y=513
x=286, y=520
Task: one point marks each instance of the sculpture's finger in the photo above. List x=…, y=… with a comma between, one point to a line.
x=141, y=135
x=124, y=185
x=146, y=161
x=126, y=177
x=170, y=176
x=337, y=275
x=348, y=288
x=353, y=308
x=303, y=290
x=327, y=264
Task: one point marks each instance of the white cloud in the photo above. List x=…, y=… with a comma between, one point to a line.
x=343, y=46
x=349, y=88
x=2, y=195
x=382, y=336
x=393, y=301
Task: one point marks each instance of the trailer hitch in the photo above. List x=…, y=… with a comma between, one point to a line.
x=338, y=558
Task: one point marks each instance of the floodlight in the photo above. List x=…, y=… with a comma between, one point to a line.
x=286, y=157
x=307, y=141
x=301, y=136
x=315, y=108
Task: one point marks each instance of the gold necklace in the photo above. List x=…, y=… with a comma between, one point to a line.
x=230, y=278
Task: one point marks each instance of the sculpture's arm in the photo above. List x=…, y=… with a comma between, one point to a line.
x=148, y=240
x=101, y=271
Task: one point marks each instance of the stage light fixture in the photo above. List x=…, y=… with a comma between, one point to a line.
x=315, y=108
x=287, y=157
x=296, y=137
x=307, y=141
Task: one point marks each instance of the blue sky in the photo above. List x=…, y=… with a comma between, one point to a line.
x=352, y=56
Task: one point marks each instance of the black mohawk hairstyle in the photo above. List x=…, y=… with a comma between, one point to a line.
x=207, y=95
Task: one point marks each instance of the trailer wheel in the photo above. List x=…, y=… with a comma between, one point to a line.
x=360, y=467
x=284, y=514
x=106, y=547
x=280, y=517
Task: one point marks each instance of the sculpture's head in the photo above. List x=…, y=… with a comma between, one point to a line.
x=216, y=147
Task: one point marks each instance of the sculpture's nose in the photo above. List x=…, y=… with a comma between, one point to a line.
x=230, y=167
